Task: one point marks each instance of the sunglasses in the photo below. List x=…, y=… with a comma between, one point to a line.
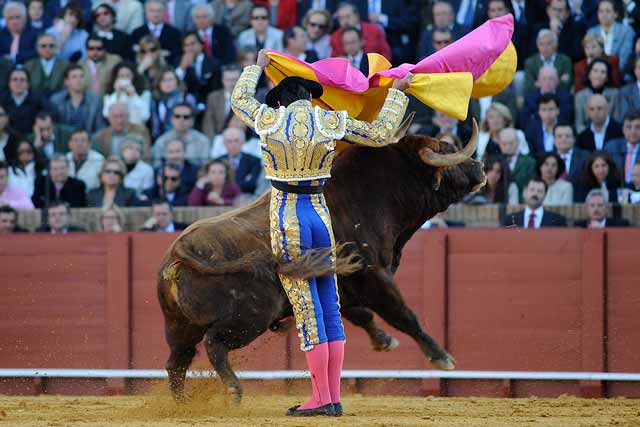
x=113, y=172
x=316, y=25
x=47, y=46
x=172, y=178
x=439, y=42
x=182, y=116
x=260, y=17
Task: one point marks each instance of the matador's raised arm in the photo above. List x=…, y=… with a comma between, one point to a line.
x=243, y=97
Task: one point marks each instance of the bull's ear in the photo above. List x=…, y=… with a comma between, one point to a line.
x=404, y=126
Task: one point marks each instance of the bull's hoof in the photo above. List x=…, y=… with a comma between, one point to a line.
x=446, y=363
x=388, y=343
x=236, y=393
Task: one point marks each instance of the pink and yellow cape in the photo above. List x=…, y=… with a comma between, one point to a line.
x=482, y=63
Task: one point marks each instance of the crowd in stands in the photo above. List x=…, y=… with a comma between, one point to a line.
x=120, y=103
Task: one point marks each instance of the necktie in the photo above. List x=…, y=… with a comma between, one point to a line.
x=15, y=45
x=207, y=42
x=156, y=31
x=468, y=15
x=628, y=163
x=566, y=166
x=532, y=221
x=95, y=79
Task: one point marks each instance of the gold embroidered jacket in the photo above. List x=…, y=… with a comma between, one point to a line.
x=298, y=141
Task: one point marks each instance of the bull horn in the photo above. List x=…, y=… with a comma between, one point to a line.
x=404, y=127
x=444, y=160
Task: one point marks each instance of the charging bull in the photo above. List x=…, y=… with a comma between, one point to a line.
x=218, y=280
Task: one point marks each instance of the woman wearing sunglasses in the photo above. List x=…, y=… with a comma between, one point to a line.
x=317, y=24
x=111, y=191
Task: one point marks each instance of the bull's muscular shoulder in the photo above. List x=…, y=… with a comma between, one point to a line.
x=331, y=124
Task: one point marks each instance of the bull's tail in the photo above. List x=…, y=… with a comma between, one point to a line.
x=314, y=263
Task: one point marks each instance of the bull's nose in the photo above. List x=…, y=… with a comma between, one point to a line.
x=482, y=183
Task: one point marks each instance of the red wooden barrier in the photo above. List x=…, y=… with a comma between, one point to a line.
x=545, y=300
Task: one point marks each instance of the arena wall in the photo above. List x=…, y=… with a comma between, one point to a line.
x=543, y=300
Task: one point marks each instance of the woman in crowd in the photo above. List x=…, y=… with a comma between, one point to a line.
x=111, y=190
x=317, y=24
x=600, y=172
x=111, y=220
x=234, y=14
x=24, y=169
x=127, y=86
x=497, y=118
x=598, y=80
x=593, y=45
x=215, y=187
x=621, y=34
x=498, y=188
x=168, y=92
x=69, y=35
x=151, y=59
x=139, y=174
x=551, y=168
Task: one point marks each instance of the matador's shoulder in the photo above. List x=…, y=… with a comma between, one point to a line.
x=269, y=120
x=331, y=124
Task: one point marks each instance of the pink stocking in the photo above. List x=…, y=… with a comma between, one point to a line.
x=336, y=357
x=318, y=362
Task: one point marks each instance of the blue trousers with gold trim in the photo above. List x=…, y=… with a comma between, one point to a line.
x=300, y=222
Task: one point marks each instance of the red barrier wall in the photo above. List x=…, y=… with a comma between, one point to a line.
x=545, y=300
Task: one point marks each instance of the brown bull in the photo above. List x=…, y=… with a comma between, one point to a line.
x=218, y=280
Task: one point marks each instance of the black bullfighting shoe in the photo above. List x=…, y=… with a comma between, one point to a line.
x=327, y=409
x=338, y=408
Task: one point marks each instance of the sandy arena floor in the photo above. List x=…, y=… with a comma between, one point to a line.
x=159, y=410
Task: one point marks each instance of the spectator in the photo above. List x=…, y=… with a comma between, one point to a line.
x=602, y=128
x=84, y=163
x=352, y=47
x=618, y=37
x=629, y=95
x=69, y=33
x=568, y=27
x=215, y=187
x=251, y=145
x=7, y=137
x=58, y=185
x=440, y=221
x=111, y=220
x=5, y=68
x=444, y=18
x=534, y=215
x=469, y=13
x=400, y=22
x=9, y=221
x=295, y=44
x=162, y=218
x=20, y=102
x=547, y=83
x=596, y=208
x=111, y=191
x=540, y=130
x=178, y=14
x=55, y=8
x=317, y=24
x=219, y=102
x=11, y=195
x=216, y=38
x=624, y=151
x=168, y=186
x=168, y=92
x=497, y=118
x=98, y=65
x=245, y=167
x=200, y=72
x=109, y=139
x=47, y=69
x=48, y=137
x=498, y=188
x=17, y=41
x=597, y=81
x=151, y=59
x=373, y=38
x=442, y=123
x=174, y=154
x=601, y=173
x=261, y=35
x=232, y=14
x=521, y=166
x=139, y=175
x=23, y=171
x=130, y=14
x=547, y=43
x=76, y=106
x=35, y=14
x=441, y=38
x=593, y=46
x=574, y=159
x=58, y=215
x=127, y=87
x=167, y=35
x=116, y=42
x=551, y=170
x=478, y=107
x=632, y=193
x=197, y=145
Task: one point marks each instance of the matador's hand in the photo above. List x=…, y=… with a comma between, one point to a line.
x=263, y=59
x=404, y=83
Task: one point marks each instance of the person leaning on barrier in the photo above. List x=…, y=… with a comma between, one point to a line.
x=534, y=215
x=111, y=220
x=61, y=187
x=58, y=220
x=596, y=208
x=9, y=221
x=162, y=218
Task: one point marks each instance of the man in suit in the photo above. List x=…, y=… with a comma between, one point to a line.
x=534, y=215
x=596, y=207
x=547, y=83
x=49, y=137
x=602, y=128
x=575, y=159
x=9, y=221
x=58, y=214
x=373, y=37
x=443, y=17
x=75, y=106
x=168, y=186
x=20, y=103
x=246, y=168
x=625, y=151
x=53, y=8
x=174, y=153
x=60, y=185
x=179, y=14
x=116, y=42
x=97, y=66
x=569, y=27
x=199, y=71
x=17, y=41
x=540, y=130
x=295, y=44
x=217, y=40
x=167, y=35
x=108, y=140
x=197, y=145
x=547, y=43
x=46, y=70
x=352, y=46
x=162, y=219
x=261, y=35
x=219, y=102
x=522, y=167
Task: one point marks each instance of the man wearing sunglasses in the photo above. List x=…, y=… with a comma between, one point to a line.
x=168, y=186
x=47, y=69
x=197, y=145
x=261, y=35
x=98, y=65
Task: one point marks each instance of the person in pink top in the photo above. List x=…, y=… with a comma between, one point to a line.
x=215, y=187
x=10, y=195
